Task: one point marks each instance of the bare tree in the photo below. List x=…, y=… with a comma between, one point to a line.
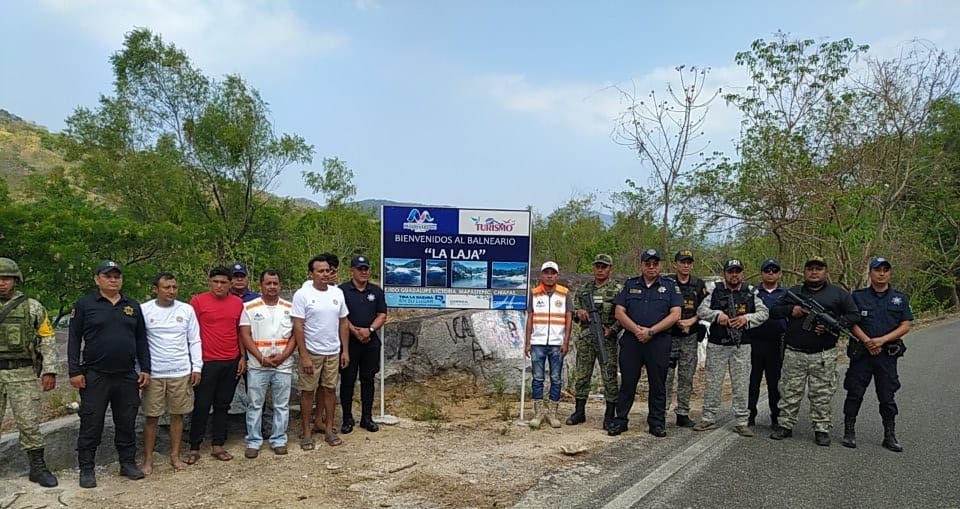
x=666, y=133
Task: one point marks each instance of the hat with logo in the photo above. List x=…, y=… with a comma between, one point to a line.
x=359, y=261
x=815, y=260
x=878, y=261
x=604, y=259
x=650, y=253
x=549, y=265
x=683, y=254
x=238, y=268
x=769, y=262
x=108, y=265
x=732, y=264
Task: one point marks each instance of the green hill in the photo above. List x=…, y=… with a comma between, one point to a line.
x=25, y=149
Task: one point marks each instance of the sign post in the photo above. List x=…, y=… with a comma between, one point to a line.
x=453, y=258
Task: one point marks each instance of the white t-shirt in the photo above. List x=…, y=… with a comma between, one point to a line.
x=173, y=334
x=321, y=313
x=271, y=329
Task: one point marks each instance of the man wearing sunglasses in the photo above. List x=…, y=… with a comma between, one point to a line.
x=766, y=351
x=368, y=312
x=731, y=308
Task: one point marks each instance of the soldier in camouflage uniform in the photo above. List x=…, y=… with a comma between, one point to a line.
x=25, y=336
x=685, y=336
x=600, y=291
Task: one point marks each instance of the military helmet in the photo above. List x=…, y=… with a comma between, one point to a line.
x=9, y=267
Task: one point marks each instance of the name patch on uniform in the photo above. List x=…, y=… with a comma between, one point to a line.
x=128, y=310
x=635, y=290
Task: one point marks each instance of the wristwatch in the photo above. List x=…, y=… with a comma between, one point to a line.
x=650, y=332
x=372, y=330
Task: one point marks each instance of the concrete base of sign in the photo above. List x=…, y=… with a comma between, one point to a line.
x=389, y=420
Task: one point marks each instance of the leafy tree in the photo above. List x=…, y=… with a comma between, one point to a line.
x=335, y=183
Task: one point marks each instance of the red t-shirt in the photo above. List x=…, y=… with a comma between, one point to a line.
x=219, y=319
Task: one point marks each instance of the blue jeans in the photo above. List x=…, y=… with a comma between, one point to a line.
x=257, y=382
x=539, y=356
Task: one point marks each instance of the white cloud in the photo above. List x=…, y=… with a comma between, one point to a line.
x=220, y=35
x=592, y=108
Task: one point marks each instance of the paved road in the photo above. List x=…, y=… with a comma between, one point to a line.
x=721, y=469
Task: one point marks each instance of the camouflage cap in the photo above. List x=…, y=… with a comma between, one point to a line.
x=683, y=254
x=604, y=259
x=9, y=268
x=815, y=260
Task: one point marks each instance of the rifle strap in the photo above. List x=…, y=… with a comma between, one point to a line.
x=10, y=306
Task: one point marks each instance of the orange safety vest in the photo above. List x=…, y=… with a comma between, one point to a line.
x=549, y=315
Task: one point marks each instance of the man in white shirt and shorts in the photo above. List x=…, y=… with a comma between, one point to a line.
x=321, y=330
x=173, y=335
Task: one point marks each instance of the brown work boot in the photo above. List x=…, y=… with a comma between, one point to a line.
x=743, y=430
x=251, y=453
x=703, y=426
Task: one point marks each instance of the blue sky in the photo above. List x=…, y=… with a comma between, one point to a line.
x=473, y=104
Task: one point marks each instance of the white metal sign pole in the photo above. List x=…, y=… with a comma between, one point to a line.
x=384, y=418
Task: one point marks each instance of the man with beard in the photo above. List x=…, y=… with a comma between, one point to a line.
x=731, y=308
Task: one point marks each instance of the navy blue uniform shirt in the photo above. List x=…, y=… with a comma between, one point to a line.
x=647, y=305
x=881, y=313
x=363, y=306
x=772, y=328
x=106, y=337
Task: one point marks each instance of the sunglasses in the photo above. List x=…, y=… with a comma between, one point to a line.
x=771, y=271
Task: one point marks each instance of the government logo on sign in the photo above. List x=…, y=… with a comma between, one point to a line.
x=419, y=221
x=491, y=224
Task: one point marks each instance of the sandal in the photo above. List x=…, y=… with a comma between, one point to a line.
x=332, y=440
x=307, y=443
x=192, y=457
x=222, y=455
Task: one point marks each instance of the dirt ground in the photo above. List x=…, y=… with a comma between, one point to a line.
x=456, y=445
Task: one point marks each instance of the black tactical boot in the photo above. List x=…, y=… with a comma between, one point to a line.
x=684, y=421
x=366, y=422
x=890, y=438
x=579, y=415
x=609, y=415
x=85, y=458
x=822, y=438
x=780, y=433
x=348, y=423
x=130, y=471
x=38, y=470
x=849, y=434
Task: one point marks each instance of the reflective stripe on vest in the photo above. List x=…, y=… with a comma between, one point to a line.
x=549, y=315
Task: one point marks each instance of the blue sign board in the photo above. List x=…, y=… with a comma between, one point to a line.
x=442, y=257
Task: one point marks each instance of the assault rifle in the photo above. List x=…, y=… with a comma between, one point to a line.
x=596, y=324
x=735, y=334
x=818, y=315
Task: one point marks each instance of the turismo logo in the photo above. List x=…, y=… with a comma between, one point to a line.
x=419, y=221
x=490, y=224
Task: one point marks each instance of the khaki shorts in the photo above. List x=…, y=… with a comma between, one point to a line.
x=162, y=394
x=325, y=371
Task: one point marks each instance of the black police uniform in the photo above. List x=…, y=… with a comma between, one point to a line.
x=766, y=356
x=106, y=341
x=880, y=313
x=364, y=306
x=646, y=306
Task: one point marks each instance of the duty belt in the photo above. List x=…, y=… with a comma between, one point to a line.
x=14, y=363
x=810, y=350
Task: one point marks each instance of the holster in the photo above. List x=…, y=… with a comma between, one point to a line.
x=856, y=350
x=895, y=349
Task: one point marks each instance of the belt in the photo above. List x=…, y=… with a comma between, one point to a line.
x=810, y=350
x=14, y=363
